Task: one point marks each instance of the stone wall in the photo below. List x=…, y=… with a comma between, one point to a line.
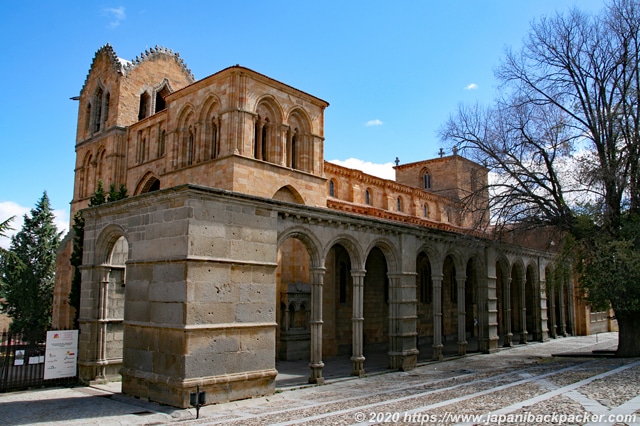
x=199, y=299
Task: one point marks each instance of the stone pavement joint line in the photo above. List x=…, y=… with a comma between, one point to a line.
x=561, y=390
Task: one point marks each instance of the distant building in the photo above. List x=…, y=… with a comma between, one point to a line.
x=241, y=245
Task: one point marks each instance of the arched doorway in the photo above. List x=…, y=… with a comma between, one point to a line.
x=449, y=307
x=518, y=313
x=376, y=308
x=102, y=329
x=531, y=303
x=471, y=307
x=293, y=292
x=424, y=296
x=338, y=304
x=503, y=294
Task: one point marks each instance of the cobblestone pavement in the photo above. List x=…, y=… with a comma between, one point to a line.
x=521, y=385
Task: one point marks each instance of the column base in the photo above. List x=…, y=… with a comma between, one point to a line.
x=508, y=340
x=358, y=366
x=404, y=361
x=462, y=348
x=437, y=353
x=175, y=391
x=316, y=373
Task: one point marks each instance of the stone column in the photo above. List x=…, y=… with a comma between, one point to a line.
x=283, y=155
x=462, y=316
x=289, y=148
x=316, y=363
x=552, y=312
x=488, y=308
x=542, y=324
x=258, y=146
x=506, y=296
x=523, y=311
x=437, y=315
x=88, y=323
x=562, y=331
x=403, y=354
x=570, y=305
x=357, y=356
x=100, y=357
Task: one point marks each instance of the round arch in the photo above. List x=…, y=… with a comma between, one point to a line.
x=209, y=108
x=289, y=194
x=298, y=117
x=268, y=105
x=308, y=239
x=389, y=250
x=148, y=183
x=350, y=244
x=106, y=241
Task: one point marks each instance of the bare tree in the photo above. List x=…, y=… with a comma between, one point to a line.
x=563, y=142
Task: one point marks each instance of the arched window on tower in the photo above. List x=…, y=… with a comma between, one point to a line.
x=426, y=180
x=214, y=140
x=294, y=149
x=97, y=118
x=160, y=102
x=161, y=142
x=87, y=117
x=261, y=138
x=143, y=111
x=425, y=210
x=190, y=148
x=399, y=204
x=332, y=189
x=105, y=113
x=367, y=197
x=265, y=139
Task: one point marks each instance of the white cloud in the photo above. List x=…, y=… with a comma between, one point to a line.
x=375, y=122
x=116, y=13
x=471, y=86
x=9, y=209
x=384, y=171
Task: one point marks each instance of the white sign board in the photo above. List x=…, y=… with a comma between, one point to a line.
x=61, y=355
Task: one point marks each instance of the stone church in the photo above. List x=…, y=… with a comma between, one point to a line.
x=240, y=246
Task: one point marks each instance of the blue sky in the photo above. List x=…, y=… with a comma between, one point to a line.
x=392, y=71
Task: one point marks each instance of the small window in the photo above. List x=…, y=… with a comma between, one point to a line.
x=160, y=102
x=214, y=141
x=332, y=189
x=190, y=148
x=87, y=123
x=399, y=204
x=143, y=112
x=425, y=210
x=105, y=114
x=426, y=180
x=367, y=197
x=161, y=142
x=97, y=119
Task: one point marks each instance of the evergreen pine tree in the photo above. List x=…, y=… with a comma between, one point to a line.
x=98, y=197
x=28, y=273
x=76, y=262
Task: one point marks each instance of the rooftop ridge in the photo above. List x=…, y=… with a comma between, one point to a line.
x=107, y=49
x=122, y=66
x=155, y=51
